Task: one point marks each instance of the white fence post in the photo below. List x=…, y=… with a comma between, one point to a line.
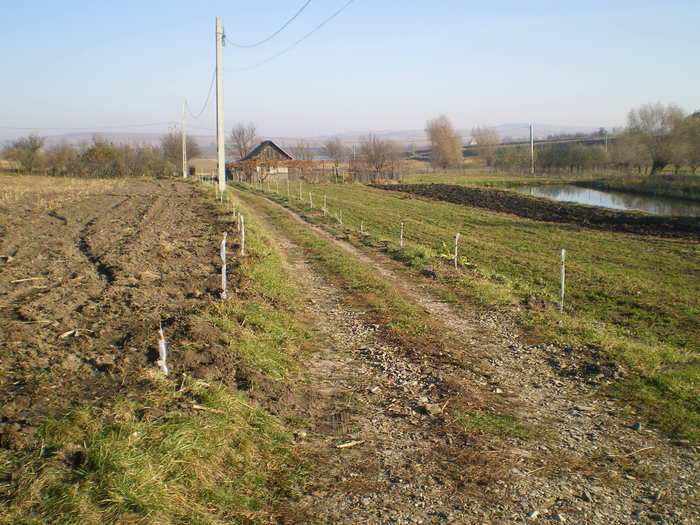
x=340, y=214
x=301, y=195
x=242, y=235
x=162, y=351
x=311, y=200
x=325, y=207
x=362, y=226
x=563, y=280
x=401, y=238
x=224, y=293
x=456, y=248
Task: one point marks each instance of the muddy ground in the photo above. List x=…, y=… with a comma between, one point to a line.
x=88, y=271
x=552, y=211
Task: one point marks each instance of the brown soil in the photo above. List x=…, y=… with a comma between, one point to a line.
x=88, y=271
x=552, y=211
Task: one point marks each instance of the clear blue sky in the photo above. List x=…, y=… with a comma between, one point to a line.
x=381, y=64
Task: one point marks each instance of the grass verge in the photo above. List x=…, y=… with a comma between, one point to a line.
x=634, y=298
x=210, y=458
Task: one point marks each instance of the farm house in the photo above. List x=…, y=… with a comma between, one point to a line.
x=265, y=160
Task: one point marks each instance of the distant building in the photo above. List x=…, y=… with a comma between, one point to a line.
x=202, y=167
x=266, y=159
x=10, y=165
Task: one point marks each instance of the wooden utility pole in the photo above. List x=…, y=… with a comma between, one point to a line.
x=532, y=151
x=184, y=143
x=221, y=154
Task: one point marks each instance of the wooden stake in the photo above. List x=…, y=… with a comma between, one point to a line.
x=242, y=235
x=224, y=293
x=401, y=239
x=456, y=248
x=563, y=280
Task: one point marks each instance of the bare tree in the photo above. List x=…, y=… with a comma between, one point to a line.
x=61, y=159
x=337, y=152
x=656, y=128
x=171, y=147
x=26, y=150
x=243, y=138
x=445, y=142
x=302, y=151
x=380, y=155
x=488, y=140
x=690, y=131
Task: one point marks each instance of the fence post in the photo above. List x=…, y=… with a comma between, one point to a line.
x=325, y=207
x=563, y=280
x=162, y=351
x=362, y=226
x=456, y=248
x=224, y=293
x=311, y=200
x=242, y=235
x=301, y=195
x=288, y=194
x=401, y=239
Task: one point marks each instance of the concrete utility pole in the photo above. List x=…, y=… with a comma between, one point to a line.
x=184, y=143
x=532, y=151
x=221, y=154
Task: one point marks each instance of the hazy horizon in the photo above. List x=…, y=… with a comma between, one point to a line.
x=374, y=67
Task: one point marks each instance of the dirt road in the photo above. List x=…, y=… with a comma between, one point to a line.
x=589, y=464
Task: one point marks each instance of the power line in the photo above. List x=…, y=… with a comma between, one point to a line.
x=273, y=35
x=91, y=127
x=295, y=44
x=206, y=102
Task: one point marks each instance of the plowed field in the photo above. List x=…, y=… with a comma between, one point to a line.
x=89, y=270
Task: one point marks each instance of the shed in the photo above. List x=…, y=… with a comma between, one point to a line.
x=203, y=167
x=10, y=165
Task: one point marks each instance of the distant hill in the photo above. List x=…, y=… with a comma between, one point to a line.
x=412, y=137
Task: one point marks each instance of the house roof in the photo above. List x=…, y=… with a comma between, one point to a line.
x=202, y=163
x=264, y=144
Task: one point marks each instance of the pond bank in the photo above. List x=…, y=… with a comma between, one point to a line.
x=543, y=209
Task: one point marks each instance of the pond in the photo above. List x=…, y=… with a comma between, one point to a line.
x=613, y=199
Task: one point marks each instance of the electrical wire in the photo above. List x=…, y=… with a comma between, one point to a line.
x=92, y=127
x=273, y=35
x=295, y=44
x=206, y=102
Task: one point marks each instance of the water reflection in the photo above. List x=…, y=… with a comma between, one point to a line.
x=614, y=200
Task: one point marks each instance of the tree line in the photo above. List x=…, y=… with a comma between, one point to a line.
x=656, y=136
x=100, y=158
